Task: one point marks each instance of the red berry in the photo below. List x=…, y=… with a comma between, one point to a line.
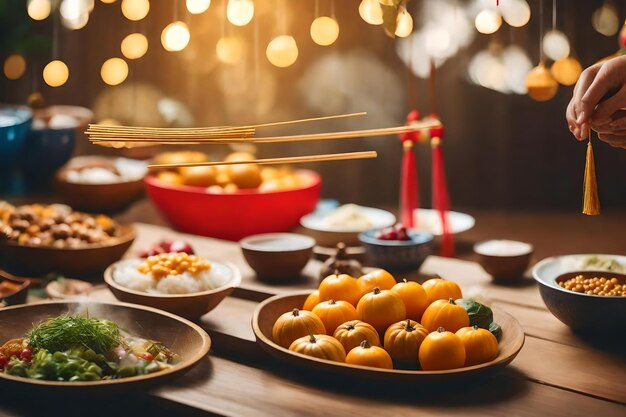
x=166, y=245
x=148, y=356
x=26, y=355
x=181, y=246
x=3, y=361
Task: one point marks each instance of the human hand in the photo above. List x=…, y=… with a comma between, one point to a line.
x=613, y=131
x=587, y=108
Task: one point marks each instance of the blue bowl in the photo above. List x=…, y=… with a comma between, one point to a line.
x=46, y=151
x=15, y=123
x=397, y=255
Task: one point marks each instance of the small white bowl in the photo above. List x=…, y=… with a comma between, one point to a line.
x=316, y=226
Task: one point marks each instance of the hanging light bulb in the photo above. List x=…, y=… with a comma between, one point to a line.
x=134, y=46
x=566, y=70
x=175, y=36
x=515, y=12
x=282, y=51
x=371, y=12
x=604, y=20
x=74, y=13
x=229, y=49
x=555, y=45
x=39, y=9
x=540, y=83
x=404, y=23
x=108, y=1
x=114, y=71
x=56, y=73
x=240, y=12
x=135, y=9
x=198, y=6
x=324, y=30
x=14, y=66
x=488, y=21
x=436, y=40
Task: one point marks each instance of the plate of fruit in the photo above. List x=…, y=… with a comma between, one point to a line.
x=377, y=328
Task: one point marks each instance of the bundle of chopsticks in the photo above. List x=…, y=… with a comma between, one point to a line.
x=128, y=136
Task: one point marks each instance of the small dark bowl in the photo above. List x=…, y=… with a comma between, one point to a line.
x=582, y=312
x=16, y=297
x=397, y=255
x=13, y=137
x=504, y=267
x=277, y=261
x=46, y=150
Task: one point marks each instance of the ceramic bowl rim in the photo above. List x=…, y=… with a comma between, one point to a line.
x=234, y=282
x=247, y=243
x=312, y=221
x=531, y=249
x=551, y=283
x=417, y=238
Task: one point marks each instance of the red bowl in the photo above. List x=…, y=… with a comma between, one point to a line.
x=233, y=216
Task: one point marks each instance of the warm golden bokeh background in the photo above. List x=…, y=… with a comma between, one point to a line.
x=502, y=151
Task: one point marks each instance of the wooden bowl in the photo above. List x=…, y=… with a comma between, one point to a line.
x=269, y=310
x=16, y=297
x=97, y=198
x=181, y=336
x=192, y=306
x=504, y=267
x=278, y=263
x=85, y=261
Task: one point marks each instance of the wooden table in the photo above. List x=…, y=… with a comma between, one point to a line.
x=557, y=373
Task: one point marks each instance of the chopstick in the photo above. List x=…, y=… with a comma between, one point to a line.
x=275, y=139
x=269, y=161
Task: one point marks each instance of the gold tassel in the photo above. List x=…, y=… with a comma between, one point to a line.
x=591, y=202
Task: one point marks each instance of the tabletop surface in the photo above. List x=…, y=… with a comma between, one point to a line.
x=556, y=373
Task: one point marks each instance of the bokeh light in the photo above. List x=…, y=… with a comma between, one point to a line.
x=56, y=73
x=404, y=24
x=371, y=12
x=229, y=49
x=324, y=30
x=240, y=12
x=134, y=46
x=555, y=45
x=74, y=13
x=39, y=9
x=541, y=85
x=605, y=20
x=282, y=51
x=14, y=66
x=197, y=6
x=108, y=1
x=515, y=12
x=114, y=71
x=566, y=70
x=135, y=9
x=488, y=21
x=175, y=36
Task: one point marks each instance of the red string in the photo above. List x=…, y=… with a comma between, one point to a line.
x=441, y=199
x=409, y=196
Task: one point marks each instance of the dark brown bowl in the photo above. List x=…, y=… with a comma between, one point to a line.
x=181, y=336
x=504, y=267
x=97, y=198
x=16, y=297
x=85, y=261
x=277, y=263
x=191, y=306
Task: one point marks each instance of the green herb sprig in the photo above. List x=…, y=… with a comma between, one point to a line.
x=66, y=332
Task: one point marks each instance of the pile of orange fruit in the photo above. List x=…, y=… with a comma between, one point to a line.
x=378, y=322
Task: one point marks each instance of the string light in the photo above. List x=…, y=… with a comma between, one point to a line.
x=488, y=21
x=14, y=66
x=56, y=73
x=175, y=36
x=371, y=12
x=555, y=45
x=515, y=12
x=114, y=71
x=197, y=6
x=604, y=20
x=282, y=51
x=135, y=9
x=540, y=83
x=404, y=24
x=134, y=46
x=74, y=13
x=324, y=30
x=566, y=70
x=108, y=1
x=39, y=9
x=229, y=49
x=240, y=12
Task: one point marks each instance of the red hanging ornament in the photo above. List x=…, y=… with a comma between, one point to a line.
x=409, y=186
x=441, y=199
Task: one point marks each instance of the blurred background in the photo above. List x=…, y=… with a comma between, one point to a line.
x=503, y=150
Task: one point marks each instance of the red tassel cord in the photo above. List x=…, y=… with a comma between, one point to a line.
x=441, y=199
x=409, y=188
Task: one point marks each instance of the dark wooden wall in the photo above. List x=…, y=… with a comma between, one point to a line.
x=502, y=151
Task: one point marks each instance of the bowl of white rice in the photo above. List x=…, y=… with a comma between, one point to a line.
x=187, y=294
